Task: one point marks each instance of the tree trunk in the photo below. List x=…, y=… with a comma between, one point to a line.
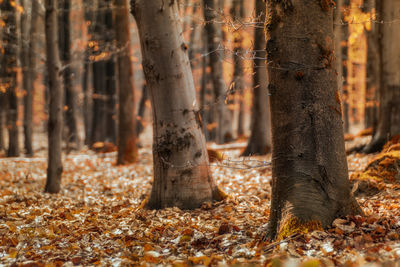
x=104, y=81
x=309, y=168
x=141, y=110
x=10, y=42
x=24, y=59
x=389, y=96
x=237, y=13
x=54, y=169
x=345, y=85
x=371, y=109
x=71, y=97
x=127, y=149
x=260, y=140
x=182, y=175
x=2, y=120
x=214, y=36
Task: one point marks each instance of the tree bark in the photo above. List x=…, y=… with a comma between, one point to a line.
x=127, y=149
x=309, y=168
x=260, y=139
x=10, y=41
x=24, y=59
x=389, y=96
x=54, y=169
x=182, y=175
x=214, y=36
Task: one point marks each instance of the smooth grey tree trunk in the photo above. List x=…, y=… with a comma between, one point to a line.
x=309, y=168
x=127, y=148
x=54, y=168
x=260, y=139
x=389, y=91
x=182, y=176
x=216, y=54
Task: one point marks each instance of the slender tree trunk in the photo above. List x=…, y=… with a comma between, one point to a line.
x=24, y=59
x=345, y=85
x=389, y=100
x=309, y=168
x=260, y=140
x=87, y=99
x=214, y=35
x=182, y=176
x=71, y=97
x=371, y=109
x=141, y=110
x=127, y=149
x=104, y=77
x=237, y=13
x=54, y=169
x=10, y=41
x=2, y=120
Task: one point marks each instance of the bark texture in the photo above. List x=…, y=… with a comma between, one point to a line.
x=182, y=176
x=216, y=54
x=309, y=167
x=10, y=43
x=54, y=168
x=127, y=149
x=260, y=139
x=389, y=90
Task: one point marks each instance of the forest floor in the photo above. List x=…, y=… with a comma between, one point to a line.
x=97, y=219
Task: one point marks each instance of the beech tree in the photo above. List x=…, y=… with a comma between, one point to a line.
x=389, y=88
x=259, y=142
x=309, y=168
x=53, y=64
x=127, y=150
x=182, y=175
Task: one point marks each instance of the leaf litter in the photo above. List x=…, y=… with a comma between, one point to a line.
x=97, y=219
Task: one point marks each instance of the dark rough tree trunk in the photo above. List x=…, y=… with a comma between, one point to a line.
x=10, y=42
x=260, y=140
x=54, y=169
x=3, y=104
x=309, y=168
x=127, y=149
x=182, y=175
x=28, y=96
x=373, y=63
x=389, y=88
x=216, y=54
x=71, y=96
